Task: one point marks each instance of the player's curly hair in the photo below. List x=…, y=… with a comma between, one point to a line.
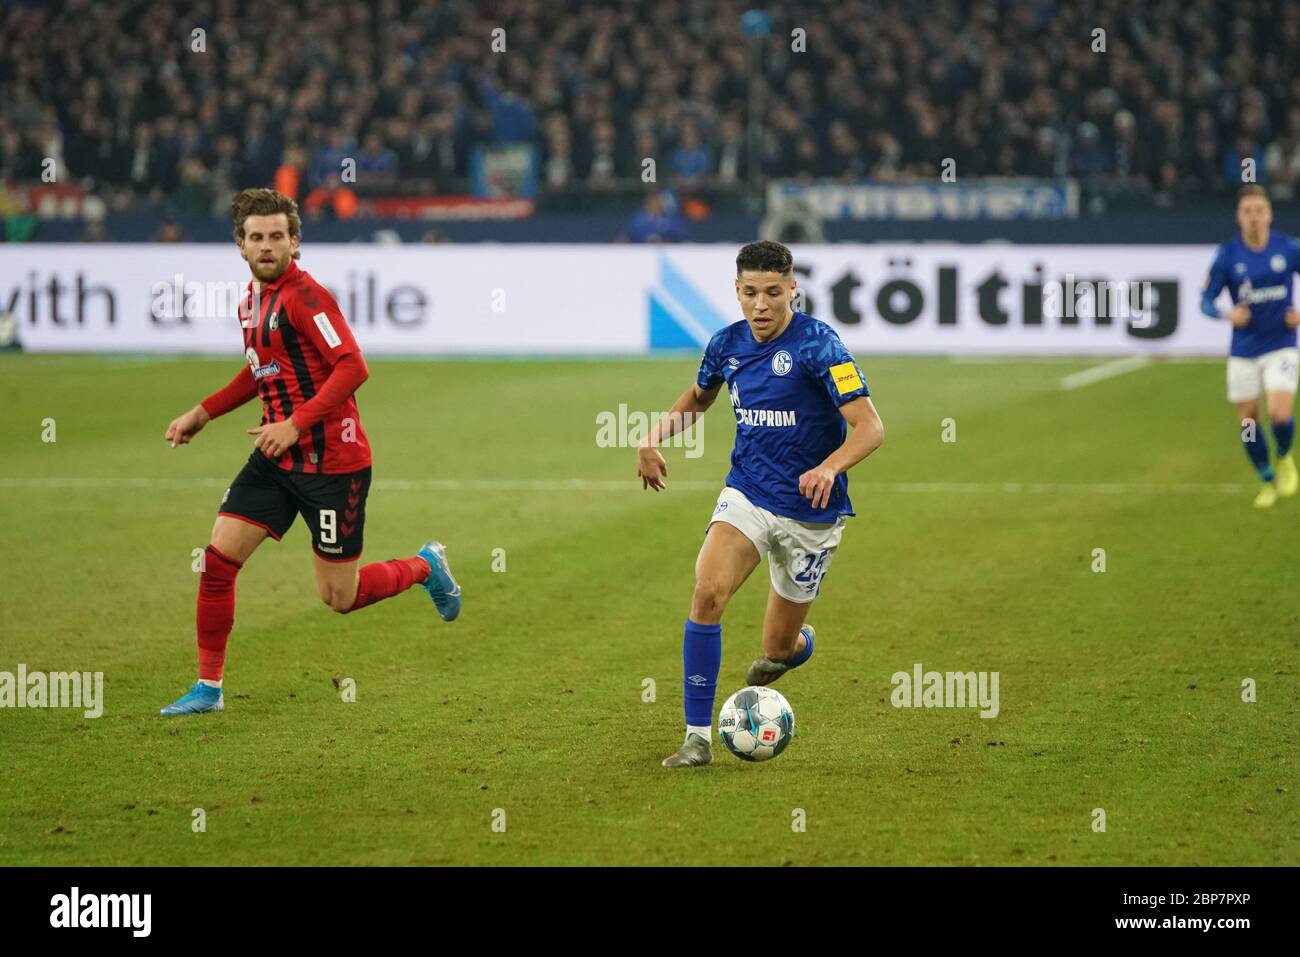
x=765, y=256
x=265, y=202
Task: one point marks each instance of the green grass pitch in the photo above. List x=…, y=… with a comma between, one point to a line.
x=1119, y=690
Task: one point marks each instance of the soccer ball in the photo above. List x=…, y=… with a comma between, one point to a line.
x=756, y=723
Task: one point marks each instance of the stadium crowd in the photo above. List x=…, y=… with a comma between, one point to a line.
x=180, y=103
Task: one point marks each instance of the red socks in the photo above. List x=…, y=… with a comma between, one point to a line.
x=216, y=611
x=380, y=580
x=216, y=605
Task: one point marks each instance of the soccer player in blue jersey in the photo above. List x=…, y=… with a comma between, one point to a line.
x=793, y=388
x=1256, y=269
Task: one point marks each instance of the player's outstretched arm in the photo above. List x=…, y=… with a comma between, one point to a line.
x=651, y=468
x=184, y=427
x=867, y=435
x=235, y=393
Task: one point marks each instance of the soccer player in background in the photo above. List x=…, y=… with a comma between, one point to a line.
x=1256, y=269
x=793, y=386
x=311, y=455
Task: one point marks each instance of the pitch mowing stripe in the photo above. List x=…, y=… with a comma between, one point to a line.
x=633, y=485
x=1107, y=370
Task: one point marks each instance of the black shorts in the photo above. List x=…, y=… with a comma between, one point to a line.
x=334, y=506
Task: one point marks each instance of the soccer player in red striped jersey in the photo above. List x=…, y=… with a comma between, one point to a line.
x=311, y=455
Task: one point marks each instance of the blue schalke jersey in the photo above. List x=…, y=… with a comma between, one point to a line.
x=786, y=394
x=1262, y=280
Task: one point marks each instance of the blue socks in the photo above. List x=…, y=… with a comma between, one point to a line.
x=1284, y=434
x=800, y=657
x=1258, y=453
x=701, y=659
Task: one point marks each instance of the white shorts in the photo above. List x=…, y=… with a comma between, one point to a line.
x=798, y=553
x=1276, y=371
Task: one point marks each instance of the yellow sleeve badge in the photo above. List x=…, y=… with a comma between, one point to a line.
x=846, y=377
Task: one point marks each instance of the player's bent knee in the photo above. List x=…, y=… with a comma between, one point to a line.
x=337, y=598
x=339, y=602
x=235, y=538
x=709, y=601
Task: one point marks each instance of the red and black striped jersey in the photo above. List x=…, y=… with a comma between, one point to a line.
x=294, y=335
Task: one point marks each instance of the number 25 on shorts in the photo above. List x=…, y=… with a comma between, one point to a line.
x=810, y=576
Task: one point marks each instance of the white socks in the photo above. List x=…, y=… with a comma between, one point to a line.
x=705, y=732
